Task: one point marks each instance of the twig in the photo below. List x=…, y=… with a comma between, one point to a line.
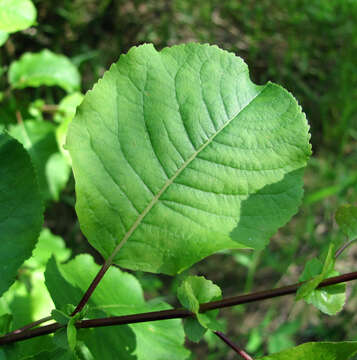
x=51, y=108
x=343, y=247
x=31, y=325
x=91, y=288
x=239, y=351
x=174, y=313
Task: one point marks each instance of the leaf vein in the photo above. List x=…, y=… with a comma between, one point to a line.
x=173, y=178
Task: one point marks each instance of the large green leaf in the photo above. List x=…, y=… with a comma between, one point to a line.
x=172, y=149
x=103, y=343
x=343, y=350
x=117, y=294
x=44, y=68
x=20, y=211
x=16, y=15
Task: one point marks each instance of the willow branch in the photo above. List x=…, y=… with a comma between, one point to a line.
x=174, y=313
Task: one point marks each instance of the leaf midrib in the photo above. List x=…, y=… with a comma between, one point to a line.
x=170, y=181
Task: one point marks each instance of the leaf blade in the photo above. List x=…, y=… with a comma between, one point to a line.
x=44, y=68
x=118, y=293
x=325, y=350
x=141, y=168
x=16, y=15
x=21, y=209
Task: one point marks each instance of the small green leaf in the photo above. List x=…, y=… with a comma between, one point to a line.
x=331, y=299
x=60, y=316
x=343, y=350
x=193, y=329
x=312, y=275
x=16, y=15
x=21, y=209
x=44, y=68
x=66, y=338
x=72, y=333
x=193, y=291
x=346, y=218
x=209, y=320
x=314, y=272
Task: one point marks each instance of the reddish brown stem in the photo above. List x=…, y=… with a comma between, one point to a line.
x=233, y=346
x=174, y=313
x=31, y=325
x=269, y=294
x=91, y=288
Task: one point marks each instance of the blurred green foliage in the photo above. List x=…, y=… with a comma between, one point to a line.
x=307, y=46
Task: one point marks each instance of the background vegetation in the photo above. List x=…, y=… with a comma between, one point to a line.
x=307, y=46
